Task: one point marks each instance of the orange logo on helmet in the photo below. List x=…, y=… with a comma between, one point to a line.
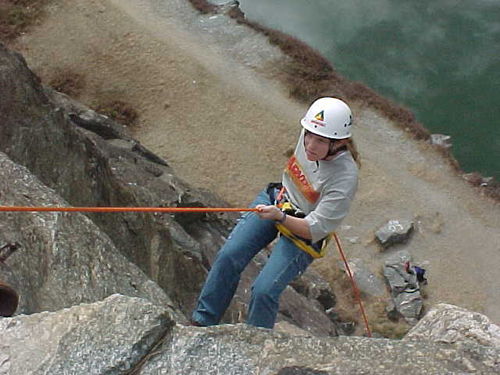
x=320, y=116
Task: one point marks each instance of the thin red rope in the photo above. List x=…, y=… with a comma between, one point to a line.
x=357, y=294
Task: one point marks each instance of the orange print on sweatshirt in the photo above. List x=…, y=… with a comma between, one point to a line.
x=295, y=171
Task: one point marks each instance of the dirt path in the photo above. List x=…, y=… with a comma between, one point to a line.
x=205, y=108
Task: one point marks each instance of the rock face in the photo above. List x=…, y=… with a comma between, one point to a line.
x=88, y=160
x=131, y=335
x=61, y=252
x=245, y=350
x=98, y=168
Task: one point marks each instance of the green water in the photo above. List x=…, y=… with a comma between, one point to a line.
x=441, y=59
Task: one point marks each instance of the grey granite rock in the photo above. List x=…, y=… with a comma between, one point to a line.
x=404, y=286
x=108, y=337
x=247, y=350
x=366, y=281
x=453, y=324
x=64, y=259
x=394, y=232
x=442, y=140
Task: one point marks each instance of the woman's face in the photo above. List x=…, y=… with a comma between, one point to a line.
x=316, y=146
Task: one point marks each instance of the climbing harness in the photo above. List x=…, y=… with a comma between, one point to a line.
x=316, y=250
x=312, y=250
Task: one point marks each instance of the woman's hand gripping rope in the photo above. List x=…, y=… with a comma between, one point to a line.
x=297, y=226
x=270, y=213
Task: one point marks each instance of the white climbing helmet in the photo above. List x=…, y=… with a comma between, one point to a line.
x=328, y=117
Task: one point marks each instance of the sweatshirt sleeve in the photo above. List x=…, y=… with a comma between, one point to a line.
x=328, y=215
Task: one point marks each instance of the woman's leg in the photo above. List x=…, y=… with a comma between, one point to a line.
x=250, y=235
x=285, y=263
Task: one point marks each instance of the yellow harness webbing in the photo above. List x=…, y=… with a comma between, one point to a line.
x=303, y=245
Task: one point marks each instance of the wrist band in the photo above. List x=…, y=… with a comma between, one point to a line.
x=283, y=218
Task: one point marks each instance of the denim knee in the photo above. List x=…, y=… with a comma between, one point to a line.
x=228, y=258
x=264, y=292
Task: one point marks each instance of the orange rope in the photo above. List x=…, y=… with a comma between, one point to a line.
x=181, y=209
x=357, y=294
x=123, y=209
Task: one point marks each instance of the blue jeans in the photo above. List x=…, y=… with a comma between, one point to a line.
x=248, y=237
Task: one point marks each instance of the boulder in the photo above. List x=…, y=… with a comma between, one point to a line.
x=240, y=349
x=366, y=281
x=312, y=286
x=37, y=130
x=131, y=335
x=442, y=140
x=107, y=337
x=455, y=325
x=404, y=285
x=231, y=7
x=394, y=232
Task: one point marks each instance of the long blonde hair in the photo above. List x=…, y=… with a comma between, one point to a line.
x=351, y=146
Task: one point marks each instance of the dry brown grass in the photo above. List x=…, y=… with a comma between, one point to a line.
x=16, y=16
x=68, y=82
x=347, y=308
x=203, y=6
x=382, y=326
x=309, y=75
x=493, y=190
x=120, y=111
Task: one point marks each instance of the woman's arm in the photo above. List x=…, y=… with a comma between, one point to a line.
x=298, y=226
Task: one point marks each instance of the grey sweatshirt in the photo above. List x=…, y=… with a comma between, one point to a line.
x=322, y=190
